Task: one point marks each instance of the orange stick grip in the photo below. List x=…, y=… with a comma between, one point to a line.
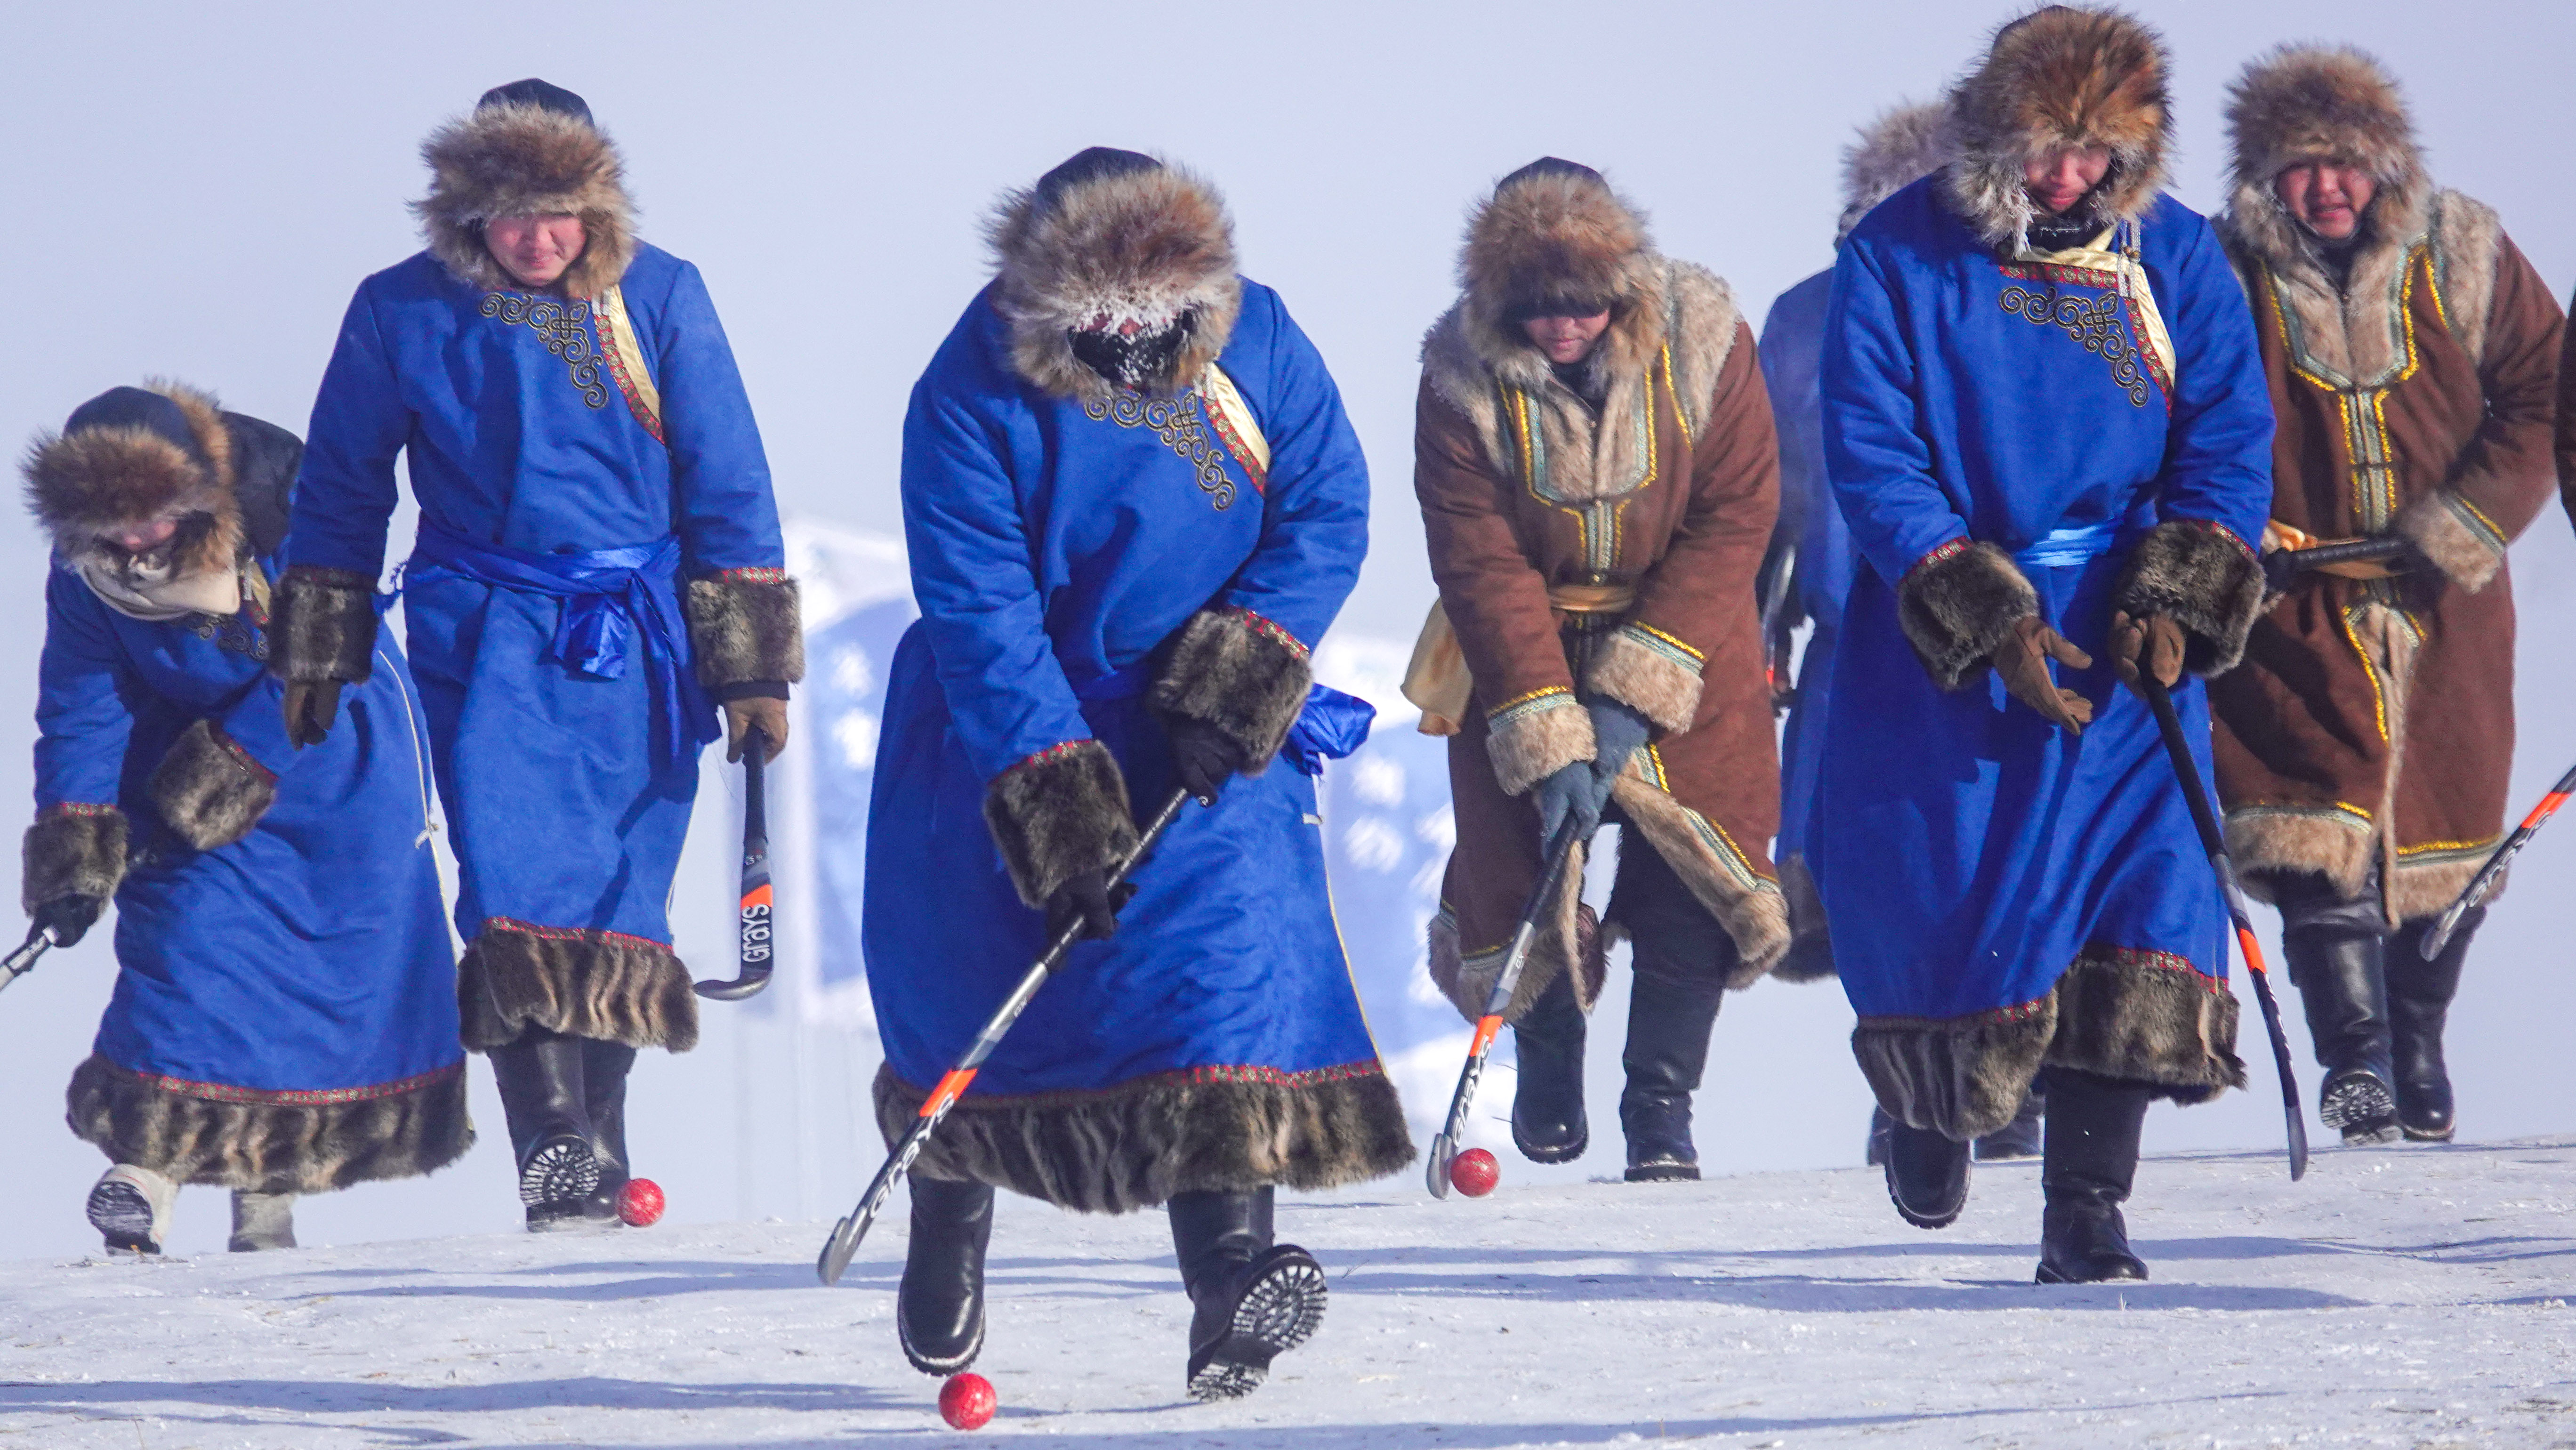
x=949, y=1090
x=2253, y=953
x=1486, y=1028
x=2548, y=806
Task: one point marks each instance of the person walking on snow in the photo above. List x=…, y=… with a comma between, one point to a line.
x=585, y=460
x=284, y=1020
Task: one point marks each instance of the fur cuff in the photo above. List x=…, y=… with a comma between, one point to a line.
x=1958, y=604
x=1570, y=940
x=72, y=851
x=1207, y=1129
x=1536, y=736
x=1651, y=673
x=2454, y=537
x=324, y=626
x=1242, y=674
x=209, y=790
x=581, y=983
x=2147, y=1017
x=2203, y=578
x=746, y=626
x=272, y=1142
x=1061, y=812
x=1962, y=1077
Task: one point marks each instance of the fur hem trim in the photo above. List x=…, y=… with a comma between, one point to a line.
x=2203, y=578
x=524, y=160
x=1901, y=146
x=1810, y=957
x=1959, y=604
x=72, y=851
x=2427, y=886
x=83, y=484
x=746, y=630
x=1057, y=814
x=323, y=626
x=2326, y=841
x=1147, y=245
x=209, y=790
x=1720, y=876
x=271, y=1142
x=1208, y=1129
x=1240, y=673
x=2454, y=537
x=1962, y=1077
x=574, y=981
x=1534, y=738
x=2147, y=1017
x=1570, y=938
x=1650, y=672
x=2060, y=76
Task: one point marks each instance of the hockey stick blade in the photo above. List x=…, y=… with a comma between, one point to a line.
x=2292, y=1113
x=1445, y=1148
x=2484, y=882
x=756, y=921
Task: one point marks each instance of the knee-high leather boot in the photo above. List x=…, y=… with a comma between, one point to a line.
x=2419, y=1005
x=1252, y=1300
x=1669, y=1020
x=939, y=1312
x=604, y=1066
x=1548, y=1125
x=540, y=1078
x=2337, y=950
x=2087, y=1167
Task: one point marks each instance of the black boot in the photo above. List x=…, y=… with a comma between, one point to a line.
x=604, y=1066
x=2419, y=1003
x=1927, y=1175
x=1880, y=1125
x=1548, y=1125
x=1253, y=1301
x=1669, y=1020
x=2337, y=959
x=540, y=1078
x=939, y=1311
x=2086, y=1172
x=2020, y=1137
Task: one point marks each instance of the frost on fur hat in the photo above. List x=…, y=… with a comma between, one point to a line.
x=529, y=148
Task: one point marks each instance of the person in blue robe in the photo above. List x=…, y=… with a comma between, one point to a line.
x=598, y=567
x=1133, y=504
x=2045, y=422
x=284, y=1019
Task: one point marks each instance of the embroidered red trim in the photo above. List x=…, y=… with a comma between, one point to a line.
x=80, y=808
x=571, y=933
x=2143, y=957
x=625, y=383
x=233, y=748
x=1954, y=547
x=1271, y=629
x=2224, y=532
x=215, y=1092
x=1208, y=1075
x=751, y=576
x=1051, y=753
x=1234, y=444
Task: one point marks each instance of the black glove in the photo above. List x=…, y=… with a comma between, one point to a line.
x=68, y=918
x=1204, y=758
x=1086, y=898
x=1573, y=792
x=312, y=708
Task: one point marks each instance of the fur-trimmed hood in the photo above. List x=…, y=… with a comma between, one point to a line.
x=2060, y=76
x=514, y=158
x=1904, y=144
x=137, y=456
x=1555, y=232
x=2313, y=103
x=1145, y=241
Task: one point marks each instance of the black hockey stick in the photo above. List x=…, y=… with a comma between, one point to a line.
x=2169, y=725
x=759, y=937
x=2282, y=566
x=846, y=1234
x=2480, y=884
x=1444, y=1149
x=22, y=961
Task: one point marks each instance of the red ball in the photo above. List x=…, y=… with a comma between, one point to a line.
x=1474, y=1173
x=966, y=1402
x=639, y=1203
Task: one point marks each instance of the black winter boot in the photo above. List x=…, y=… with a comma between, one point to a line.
x=1880, y=1125
x=939, y=1311
x=2343, y=986
x=2419, y=1003
x=1548, y=1125
x=2020, y=1137
x=1927, y=1175
x=540, y=1078
x=1669, y=1020
x=604, y=1066
x=1253, y=1301
x=2090, y=1163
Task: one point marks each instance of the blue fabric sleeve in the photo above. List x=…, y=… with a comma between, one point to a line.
x=1875, y=454
x=83, y=717
x=344, y=494
x=1315, y=511
x=728, y=516
x=256, y=721
x=2218, y=464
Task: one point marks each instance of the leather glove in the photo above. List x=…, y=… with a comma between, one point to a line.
x=1618, y=732
x=755, y=712
x=68, y=918
x=1204, y=758
x=312, y=708
x=1085, y=897
x=2155, y=639
x=2022, y=660
x=1571, y=792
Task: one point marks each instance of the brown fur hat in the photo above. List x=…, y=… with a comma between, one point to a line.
x=1554, y=234
x=2315, y=103
x=2060, y=76
x=519, y=159
x=1904, y=144
x=97, y=476
x=1144, y=240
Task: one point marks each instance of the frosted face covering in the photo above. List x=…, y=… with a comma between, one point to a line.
x=1138, y=359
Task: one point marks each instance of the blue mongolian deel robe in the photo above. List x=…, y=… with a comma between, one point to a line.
x=2002, y=891
x=575, y=459
x=1057, y=544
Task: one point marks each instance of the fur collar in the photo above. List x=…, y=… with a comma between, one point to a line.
x=82, y=484
x=1904, y=144
x=2060, y=76
x=519, y=160
x=1148, y=245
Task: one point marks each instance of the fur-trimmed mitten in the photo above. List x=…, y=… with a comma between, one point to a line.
x=1060, y=814
x=209, y=790
x=72, y=853
x=1959, y=605
x=323, y=628
x=747, y=628
x=2201, y=577
x=1239, y=679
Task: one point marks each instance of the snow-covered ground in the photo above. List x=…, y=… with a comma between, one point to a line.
x=2404, y=1297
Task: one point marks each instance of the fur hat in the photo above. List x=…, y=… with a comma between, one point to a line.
x=2314, y=103
x=1113, y=234
x=528, y=149
x=136, y=456
x=1903, y=145
x=2061, y=76
x=1553, y=239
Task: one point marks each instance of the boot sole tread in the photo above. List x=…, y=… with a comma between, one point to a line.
x=563, y=1171
x=1280, y=1309
x=2358, y=1102
x=123, y=1216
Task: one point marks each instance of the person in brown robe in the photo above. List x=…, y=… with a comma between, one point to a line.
x=1598, y=475
x=2363, y=746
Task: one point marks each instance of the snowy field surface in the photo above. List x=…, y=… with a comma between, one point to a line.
x=2406, y=1297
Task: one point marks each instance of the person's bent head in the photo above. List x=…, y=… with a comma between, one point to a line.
x=528, y=195
x=2322, y=138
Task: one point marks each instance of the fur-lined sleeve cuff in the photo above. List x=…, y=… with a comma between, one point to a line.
x=747, y=626
x=1061, y=812
x=2454, y=537
x=324, y=626
x=1958, y=604
x=72, y=850
x=1536, y=736
x=1242, y=674
x=209, y=790
x=2202, y=577
x=1652, y=673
